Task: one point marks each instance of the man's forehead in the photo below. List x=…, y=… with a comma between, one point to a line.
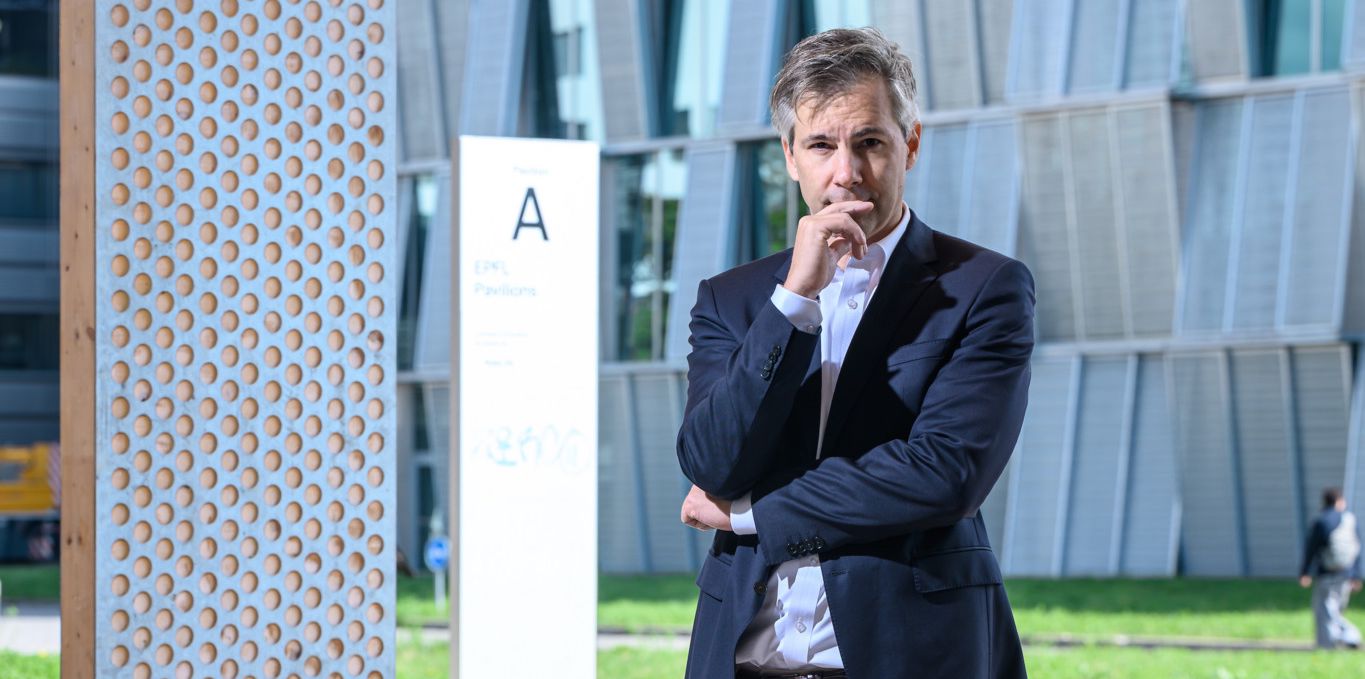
x=863, y=105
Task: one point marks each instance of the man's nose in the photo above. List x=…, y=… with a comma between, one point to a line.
x=847, y=168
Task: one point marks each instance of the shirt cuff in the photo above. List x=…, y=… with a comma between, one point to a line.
x=803, y=312
x=742, y=516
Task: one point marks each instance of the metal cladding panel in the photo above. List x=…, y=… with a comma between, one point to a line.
x=1353, y=319
x=994, y=19
x=702, y=246
x=245, y=375
x=994, y=511
x=993, y=207
x=1152, y=520
x=1038, y=46
x=1355, y=452
x=1257, y=275
x=1148, y=216
x=953, y=72
x=1322, y=393
x=1209, y=218
x=493, y=70
x=659, y=415
x=1097, y=223
x=431, y=350
x=901, y=23
x=751, y=60
x=1320, y=217
x=940, y=204
x=1211, y=534
x=618, y=500
x=1044, y=239
x=1265, y=446
x=621, y=52
x=1151, y=43
x=1211, y=55
x=1037, y=489
x=1095, y=46
x=1098, y=468
x=418, y=68
x=28, y=117
x=452, y=44
x=1353, y=52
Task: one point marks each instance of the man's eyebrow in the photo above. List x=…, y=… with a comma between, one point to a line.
x=817, y=136
x=870, y=130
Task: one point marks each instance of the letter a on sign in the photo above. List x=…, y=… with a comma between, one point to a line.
x=523, y=223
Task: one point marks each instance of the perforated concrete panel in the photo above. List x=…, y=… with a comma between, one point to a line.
x=244, y=383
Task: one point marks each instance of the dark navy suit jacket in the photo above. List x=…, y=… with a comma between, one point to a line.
x=926, y=412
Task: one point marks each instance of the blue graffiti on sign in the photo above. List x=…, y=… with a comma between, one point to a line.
x=534, y=446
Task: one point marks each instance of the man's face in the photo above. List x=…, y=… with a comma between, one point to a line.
x=852, y=148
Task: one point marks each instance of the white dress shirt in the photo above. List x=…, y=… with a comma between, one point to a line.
x=793, y=630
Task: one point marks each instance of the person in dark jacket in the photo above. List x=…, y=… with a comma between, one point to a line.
x=1331, y=566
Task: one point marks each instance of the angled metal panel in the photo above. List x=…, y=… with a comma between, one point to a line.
x=1320, y=221
x=995, y=20
x=1039, y=479
x=702, y=244
x=1353, y=37
x=619, y=520
x=1103, y=305
x=1265, y=446
x=954, y=73
x=994, y=511
x=1209, y=218
x=1152, y=520
x=1152, y=48
x=1044, y=237
x=1039, y=43
x=625, y=63
x=1097, y=39
x=902, y=23
x=1096, y=475
x=1355, y=441
x=751, y=59
x=1148, y=215
x=421, y=116
x=1256, y=278
x=1213, y=37
x=658, y=424
x=1211, y=530
x=28, y=118
x=1353, y=315
x=28, y=247
x=452, y=37
x=494, y=65
x=27, y=289
x=1322, y=392
x=941, y=202
x=993, y=192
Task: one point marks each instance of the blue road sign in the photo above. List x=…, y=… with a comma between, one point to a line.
x=437, y=553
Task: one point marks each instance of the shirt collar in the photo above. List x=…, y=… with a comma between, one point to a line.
x=878, y=253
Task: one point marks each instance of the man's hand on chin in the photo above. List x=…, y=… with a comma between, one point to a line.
x=703, y=511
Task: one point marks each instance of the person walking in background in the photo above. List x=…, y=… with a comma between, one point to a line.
x=1331, y=566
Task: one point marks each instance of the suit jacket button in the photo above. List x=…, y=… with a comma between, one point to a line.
x=819, y=543
x=791, y=549
x=760, y=588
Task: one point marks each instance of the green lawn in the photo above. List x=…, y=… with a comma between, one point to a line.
x=1205, y=608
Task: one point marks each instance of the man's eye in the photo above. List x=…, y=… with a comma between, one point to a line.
x=820, y=145
x=870, y=143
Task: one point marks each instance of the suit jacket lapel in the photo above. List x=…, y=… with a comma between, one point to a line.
x=908, y=273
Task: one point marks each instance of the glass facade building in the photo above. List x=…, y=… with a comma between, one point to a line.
x=1184, y=179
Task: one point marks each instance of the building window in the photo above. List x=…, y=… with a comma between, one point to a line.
x=691, y=35
x=26, y=342
x=562, y=98
x=646, y=192
x=28, y=39
x=28, y=191
x=770, y=203
x=1300, y=36
x=424, y=197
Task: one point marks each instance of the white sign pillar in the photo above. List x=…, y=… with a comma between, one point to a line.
x=524, y=329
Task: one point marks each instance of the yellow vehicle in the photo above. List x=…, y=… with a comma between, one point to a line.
x=27, y=479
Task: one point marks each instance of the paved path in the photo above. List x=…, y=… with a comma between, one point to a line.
x=36, y=628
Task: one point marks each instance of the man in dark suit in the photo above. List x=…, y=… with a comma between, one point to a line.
x=843, y=458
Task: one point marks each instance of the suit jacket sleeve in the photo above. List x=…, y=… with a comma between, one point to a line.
x=740, y=389
x=957, y=447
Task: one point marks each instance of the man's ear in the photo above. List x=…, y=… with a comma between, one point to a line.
x=791, y=161
x=912, y=147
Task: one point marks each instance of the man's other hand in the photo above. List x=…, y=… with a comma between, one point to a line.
x=822, y=239
x=1355, y=585
x=1305, y=581
x=703, y=511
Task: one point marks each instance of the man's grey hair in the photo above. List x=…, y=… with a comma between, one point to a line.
x=828, y=64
